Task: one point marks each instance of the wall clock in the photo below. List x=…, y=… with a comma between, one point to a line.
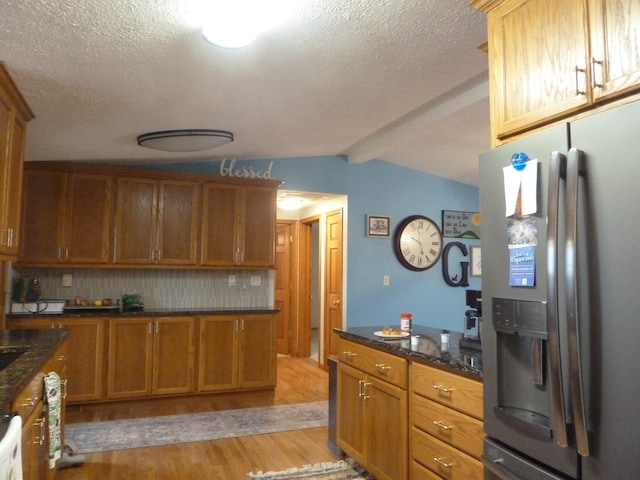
x=417, y=242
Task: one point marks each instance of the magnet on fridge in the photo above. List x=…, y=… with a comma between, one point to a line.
x=519, y=160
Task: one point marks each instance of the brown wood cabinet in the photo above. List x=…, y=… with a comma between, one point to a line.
x=150, y=356
x=237, y=352
x=30, y=405
x=549, y=60
x=86, y=358
x=14, y=115
x=156, y=221
x=372, y=410
x=446, y=424
x=238, y=225
x=67, y=218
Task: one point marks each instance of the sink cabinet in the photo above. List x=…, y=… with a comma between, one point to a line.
x=156, y=221
x=372, y=410
x=14, y=115
x=237, y=352
x=86, y=359
x=150, y=356
x=73, y=212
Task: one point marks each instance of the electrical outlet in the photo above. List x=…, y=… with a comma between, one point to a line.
x=256, y=280
x=67, y=280
x=232, y=280
x=386, y=280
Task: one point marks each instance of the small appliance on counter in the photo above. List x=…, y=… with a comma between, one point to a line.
x=472, y=321
x=48, y=307
x=25, y=298
x=132, y=303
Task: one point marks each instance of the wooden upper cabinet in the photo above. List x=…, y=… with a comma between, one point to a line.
x=156, y=221
x=14, y=115
x=549, y=60
x=67, y=218
x=238, y=225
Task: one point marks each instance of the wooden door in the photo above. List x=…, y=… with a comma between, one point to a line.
x=350, y=413
x=135, y=233
x=35, y=455
x=258, y=227
x=177, y=239
x=173, y=355
x=257, y=351
x=219, y=242
x=615, y=46
x=535, y=47
x=43, y=214
x=85, y=364
x=6, y=120
x=283, y=288
x=333, y=283
x=130, y=357
x=87, y=219
x=218, y=353
x=13, y=186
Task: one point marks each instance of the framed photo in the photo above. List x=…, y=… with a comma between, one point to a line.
x=476, y=262
x=378, y=226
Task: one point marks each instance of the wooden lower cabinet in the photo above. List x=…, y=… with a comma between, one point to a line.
x=237, y=352
x=446, y=425
x=86, y=359
x=30, y=405
x=150, y=356
x=372, y=415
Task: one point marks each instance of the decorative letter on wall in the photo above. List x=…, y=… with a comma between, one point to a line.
x=457, y=281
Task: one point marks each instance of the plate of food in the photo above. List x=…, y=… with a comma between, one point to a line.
x=388, y=332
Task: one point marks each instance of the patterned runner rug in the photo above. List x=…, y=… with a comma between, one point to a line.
x=341, y=470
x=195, y=427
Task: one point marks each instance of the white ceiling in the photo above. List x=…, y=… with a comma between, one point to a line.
x=398, y=80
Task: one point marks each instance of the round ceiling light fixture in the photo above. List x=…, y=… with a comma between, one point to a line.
x=185, y=140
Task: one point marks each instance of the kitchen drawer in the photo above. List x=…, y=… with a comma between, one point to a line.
x=29, y=397
x=455, y=391
x=382, y=365
x=420, y=472
x=457, y=429
x=443, y=459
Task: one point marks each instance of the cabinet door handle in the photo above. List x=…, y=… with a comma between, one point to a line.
x=4, y=238
x=360, y=389
x=150, y=328
x=443, y=389
x=579, y=71
x=440, y=461
x=11, y=237
x=441, y=425
x=40, y=422
x=64, y=384
x=595, y=62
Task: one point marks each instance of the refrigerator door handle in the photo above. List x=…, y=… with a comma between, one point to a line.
x=556, y=173
x=575, y=167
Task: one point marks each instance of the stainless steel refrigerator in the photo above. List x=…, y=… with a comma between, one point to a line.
x=561, y=296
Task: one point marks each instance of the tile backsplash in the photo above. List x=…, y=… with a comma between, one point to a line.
x=161, y=288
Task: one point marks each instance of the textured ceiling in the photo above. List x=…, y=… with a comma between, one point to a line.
x=398, y=80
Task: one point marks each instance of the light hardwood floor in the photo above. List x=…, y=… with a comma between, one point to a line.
x=299, y=380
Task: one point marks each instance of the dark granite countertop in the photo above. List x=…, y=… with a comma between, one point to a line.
x=152, y=312
x=38, y=345
x=429, y=350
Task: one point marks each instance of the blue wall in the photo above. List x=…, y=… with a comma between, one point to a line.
x=378, y=187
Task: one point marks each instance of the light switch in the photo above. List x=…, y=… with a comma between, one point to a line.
x=386, y=280
x=232, y=280
x=67, y=280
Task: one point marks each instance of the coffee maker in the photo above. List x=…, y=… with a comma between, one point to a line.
x=472, y=321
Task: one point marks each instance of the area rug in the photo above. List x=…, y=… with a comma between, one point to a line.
x=196, y=427
x=341, y=470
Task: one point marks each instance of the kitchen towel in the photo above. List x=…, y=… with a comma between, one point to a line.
x=523, y=183
x=10, y=451
x=52, y=389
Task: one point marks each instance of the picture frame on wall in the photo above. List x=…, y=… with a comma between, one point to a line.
x=476, y=262
x=378, y=226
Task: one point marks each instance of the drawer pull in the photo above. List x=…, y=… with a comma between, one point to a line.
x=443, y=389
x=30, y=402
x=442, y=425
x=382, y=367
x=442, y=463
x=348, y=354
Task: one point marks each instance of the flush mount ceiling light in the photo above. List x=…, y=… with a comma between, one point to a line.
x=185, y=140
x=237, y=23
x=290, y=203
